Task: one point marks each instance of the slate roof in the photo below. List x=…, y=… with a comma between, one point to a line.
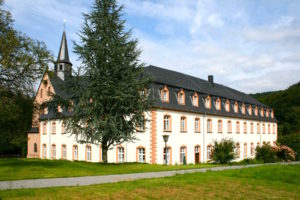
x=176, y=81
x=63, y=54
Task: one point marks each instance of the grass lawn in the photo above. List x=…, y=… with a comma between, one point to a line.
x=16, y=169
x=264, y=182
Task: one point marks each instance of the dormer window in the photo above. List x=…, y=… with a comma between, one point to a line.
x=236, y=107
x=256, y=111
x=143, y=92
x=227, y=106
x=181, y=97
x=267, y=113
x=207, y=102
x=243, y=109
x=218, y=104
x=272, y=114
x=195, y=99
x=250, y=110
x=262, y=112
x=164, y=93
x=59, y=108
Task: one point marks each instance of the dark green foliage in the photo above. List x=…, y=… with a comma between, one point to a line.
x=248, y=161
x=22, y=61
x=265, y=153
x=286, y=104
x=108, y=105
x=223, y=151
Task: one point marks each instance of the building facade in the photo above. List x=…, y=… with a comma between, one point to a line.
x=192, y=112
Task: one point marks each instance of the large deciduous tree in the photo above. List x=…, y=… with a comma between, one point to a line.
x=108, y=103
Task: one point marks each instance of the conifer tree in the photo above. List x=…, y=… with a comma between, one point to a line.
x=107, y=97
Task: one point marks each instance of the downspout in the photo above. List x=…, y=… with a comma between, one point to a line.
x=203, y=145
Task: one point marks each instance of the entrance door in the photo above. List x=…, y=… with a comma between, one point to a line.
x=197, y=155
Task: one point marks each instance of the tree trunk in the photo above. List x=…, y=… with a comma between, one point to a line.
x=104, y=153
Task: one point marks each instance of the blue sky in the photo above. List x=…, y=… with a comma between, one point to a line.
x=252, y=46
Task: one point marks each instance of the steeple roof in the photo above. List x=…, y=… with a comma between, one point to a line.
x=63, y=54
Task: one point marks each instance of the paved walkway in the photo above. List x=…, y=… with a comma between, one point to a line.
x=90, y=180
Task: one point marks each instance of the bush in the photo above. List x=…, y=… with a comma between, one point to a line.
x=266, y=153
x=293, y=141
x=223, y=152
x=284, y=153
x=247, y=161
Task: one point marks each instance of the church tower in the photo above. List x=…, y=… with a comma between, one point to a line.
x=63, y=66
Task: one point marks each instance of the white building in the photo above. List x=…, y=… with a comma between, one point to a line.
x=193, y=112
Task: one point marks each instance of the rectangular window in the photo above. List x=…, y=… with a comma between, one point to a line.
x=258, y=128
x=63, y=152
x=44, y=128
x=88, y=153
x=220, y=128
x=195, y=100
x=252, y=149
x=141, y=155
x=209, y=152
x=237, y=127
x=44, y=150
x=182, y=154
x=197, y=125
x=75, y=152
x=245, y=150
x=167, y=157
x=182, y=124
x=229, y=127
x=121, y=155
x=209, y=126
x=167, y=123
x=238, y=150
x=53, y=128
x=245, y=128
x=53, y=151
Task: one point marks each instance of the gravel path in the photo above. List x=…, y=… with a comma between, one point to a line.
x=90, y=180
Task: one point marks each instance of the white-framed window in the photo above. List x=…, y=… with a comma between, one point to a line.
x=209, y=155
x=75, y=152
x=88, y=153
x=237, y=127
x=258, y=128
x=167, y=123
x=236, y=107
x=141, y=155
x=44, y=128
x=197, y=125
x=168, y=156
x=218, y=104
x=220, y=126
x=227, y=106
x=245, y=128
x=182, y=154
x=44, y=150
x=238, y=150
x=209, y=126
x=252, y=151
x=181, y=97
x=121, y=155
x=195, y=100
x=251, y=128
x=229, y=127
x=53, y=128
x=183, y=124
x=64, y=151
x=245, y=150
x=207, y=102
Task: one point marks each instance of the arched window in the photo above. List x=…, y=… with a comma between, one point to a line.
x=256, y=111
x=245, y=128
x=245, y=150
x=238, y=150
x=141, y=155
x=195, y=100
x=229, y=127
x=197, y=154
x=141, y=125
x=121, y=155
x=267, y=113
x=181, y=97
x=53, y=128
x=251, y=128
x=227, y=106
x=243, y=109
x=272, y=114
x=63, y=128
x=269, y=129
x=53, y=151
x=262, y=112
x=274, y=128
x=264, y=128
x=197, y=125
x=167, y=123
x=167, y=155
x=258, y=128
x=209, y=126
x=220, y=126
x=237, y=127
x=236, y=107
x=164, y=93
x=35, y=148
x=183, y=154
x=208, y=102
x=88, y=153
x=218, y=104
x=183, y=124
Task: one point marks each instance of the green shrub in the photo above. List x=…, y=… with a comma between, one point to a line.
x=250, y=161
x=284, y=153
x=266, y=153
x=223, y=151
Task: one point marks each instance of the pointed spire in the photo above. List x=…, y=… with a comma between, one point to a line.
x=63, y=54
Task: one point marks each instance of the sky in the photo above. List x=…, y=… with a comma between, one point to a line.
x=249, y=45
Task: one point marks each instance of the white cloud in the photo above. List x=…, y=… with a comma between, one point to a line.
x=215, y=20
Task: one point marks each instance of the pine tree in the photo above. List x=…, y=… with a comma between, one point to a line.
x=107, y=98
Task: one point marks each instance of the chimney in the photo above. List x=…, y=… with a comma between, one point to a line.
x=211, y=80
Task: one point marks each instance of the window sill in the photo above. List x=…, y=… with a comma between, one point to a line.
x=183, y=131
x=53, y=133
x=209, y=131
x=220, y=132
x=167, y=131
x=229, y=132
x=197, y=131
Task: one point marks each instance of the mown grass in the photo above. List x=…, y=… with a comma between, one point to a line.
x=264, y=182
x=17, y=169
